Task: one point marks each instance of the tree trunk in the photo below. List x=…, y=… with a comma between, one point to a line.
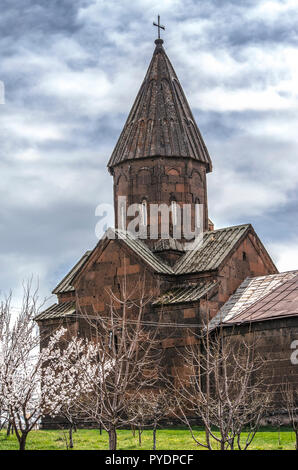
x=100, y=429
x=207, y=434
x=70, y=437
x=154, y=437
x=112, y=438
x=9, y=426
x=22, y=441
x=140, y=437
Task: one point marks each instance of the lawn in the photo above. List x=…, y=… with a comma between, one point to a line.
x=175, y=439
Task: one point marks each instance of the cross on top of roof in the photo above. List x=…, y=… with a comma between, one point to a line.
x=159, y=26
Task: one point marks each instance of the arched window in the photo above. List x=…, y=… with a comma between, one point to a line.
x=144, y=212
x=144, y=176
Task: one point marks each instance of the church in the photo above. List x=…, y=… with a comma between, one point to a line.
x=229, y=277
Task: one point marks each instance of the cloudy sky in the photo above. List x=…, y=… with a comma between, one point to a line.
x=71, y=70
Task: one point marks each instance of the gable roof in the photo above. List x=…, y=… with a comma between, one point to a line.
x=62, y=310
x=135, y=244
x=207, y=256
x=160, y=122
x=262, y=297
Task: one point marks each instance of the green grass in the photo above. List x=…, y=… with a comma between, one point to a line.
x=175, y=439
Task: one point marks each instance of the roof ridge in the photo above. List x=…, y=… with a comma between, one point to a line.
x=228, y=227
x=273, y=275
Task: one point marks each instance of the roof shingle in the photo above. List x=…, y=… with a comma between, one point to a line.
x=250, y=293
x=185, y=294
x=209, y=254
x=280, y=302
x=61, y=310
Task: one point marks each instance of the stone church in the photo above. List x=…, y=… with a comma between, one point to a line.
x=161, y=158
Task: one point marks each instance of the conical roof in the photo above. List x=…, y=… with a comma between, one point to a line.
x=160, y=123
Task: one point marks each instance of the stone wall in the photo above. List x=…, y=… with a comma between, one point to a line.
x=109, y=269
x=273, y=340
x=161, y=181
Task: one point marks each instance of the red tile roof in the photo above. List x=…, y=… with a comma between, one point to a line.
x=280, y=302
x=261, y=298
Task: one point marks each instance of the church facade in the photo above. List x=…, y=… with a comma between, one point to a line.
x=161, y=158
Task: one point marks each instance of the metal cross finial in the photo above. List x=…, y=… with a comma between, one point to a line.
x=159, y=26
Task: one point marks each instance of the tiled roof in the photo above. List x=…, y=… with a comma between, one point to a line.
x=160, y=123
x=62, y=310
x=249, y=293
x=167, y=244
x=281, y=302
x=65, y=285
x=216, y=245
x=206, y=256
x=185, y=294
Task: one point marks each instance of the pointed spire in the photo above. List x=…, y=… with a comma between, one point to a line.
x=160, y=123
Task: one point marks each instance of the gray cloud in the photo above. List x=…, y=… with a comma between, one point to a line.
x=71, y=72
